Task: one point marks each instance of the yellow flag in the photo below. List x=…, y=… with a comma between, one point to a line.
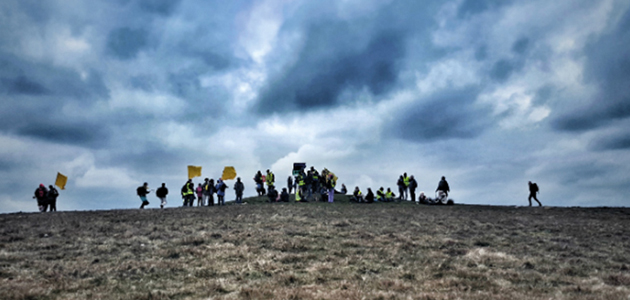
x=228, y=173
x=193, y=171
x=61, y=181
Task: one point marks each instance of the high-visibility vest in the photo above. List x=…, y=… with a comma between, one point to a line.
x=270, y=178
x=389, y=195
x=406, y=180
x=300, y=180
x=333, y=183
x=379, y=194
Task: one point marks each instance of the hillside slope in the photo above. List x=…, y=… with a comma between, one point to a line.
x=318, y=251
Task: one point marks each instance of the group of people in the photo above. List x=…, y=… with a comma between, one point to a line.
x=204, y=192
x=46, y=197
x=406, y=187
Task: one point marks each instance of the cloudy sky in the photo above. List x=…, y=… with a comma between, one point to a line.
x=489, y=93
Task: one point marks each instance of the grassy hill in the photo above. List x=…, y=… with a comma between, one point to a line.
x=318, y=251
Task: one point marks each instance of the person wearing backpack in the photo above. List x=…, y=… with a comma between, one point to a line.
x=413, y=185
x=52, y=197
x=142, y=192
x=533, y=190
x=221, y=186
x=41, y=194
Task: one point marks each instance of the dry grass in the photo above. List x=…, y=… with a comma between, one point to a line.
x=318, y=251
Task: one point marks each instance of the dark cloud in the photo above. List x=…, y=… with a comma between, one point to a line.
x=326, y=67
x=472, y=7
x=444, y=115
x=125, y=43
x=608, y=67
x=73, y=133
x=161, y=7
x=619, y=141
x=521, y=45
x=502, y=70
x=22, y=85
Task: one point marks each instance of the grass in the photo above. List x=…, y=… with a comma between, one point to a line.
x=318, y=251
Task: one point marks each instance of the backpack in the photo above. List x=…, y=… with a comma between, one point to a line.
x=41, y=193
x=535, y=187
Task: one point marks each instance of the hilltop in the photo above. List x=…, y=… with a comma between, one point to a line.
x=318, y=251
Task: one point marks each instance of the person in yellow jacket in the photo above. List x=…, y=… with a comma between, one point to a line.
x=406, y=180
x=389, y=195
x=270, y=178
x=188, y=193
x=380, y=194
x=357, y=196
x=331, y=188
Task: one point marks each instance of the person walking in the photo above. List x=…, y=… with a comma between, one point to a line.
x=533, y=190
x=52, y=197
x=238, y=189
x=413, y=185
x=142, y=192
x=161, y=193
x=41, y=194
x=221, y=187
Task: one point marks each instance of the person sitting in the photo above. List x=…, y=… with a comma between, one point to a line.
x=284, y=196
x=389, y=195
x=357, y=196
x=369, y=198
x=380, y=195
x=272, y=194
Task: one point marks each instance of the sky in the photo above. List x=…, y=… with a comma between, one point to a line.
x=490, y=94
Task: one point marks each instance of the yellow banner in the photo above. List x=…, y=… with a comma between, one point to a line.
x=228, y=173
x=194, y=171
x=61, y=181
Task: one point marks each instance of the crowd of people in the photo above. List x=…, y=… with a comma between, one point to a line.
x=307, y=185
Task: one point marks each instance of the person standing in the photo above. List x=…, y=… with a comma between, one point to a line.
x=142, y=192
x=413, y=185
x=258, y=179
x=443, y=186
x=238, y=189
x=52, y=197
x=270, y=180
x=331, y=188
x=406, y=181
x=401, y=187
x=188, y=193
x=41, y=194
x=533, y=190
x=290, y=184
x=161, y=194
x=199, y=192
x=211, y=191
x=221, y=186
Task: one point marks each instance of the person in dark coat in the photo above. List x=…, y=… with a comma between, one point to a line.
x=52, y=197
x=161, y=194
x=533, y=190
x=41, y=194
x=238, y=189
x=142, y=192
x=413, y=184
x=369, y=198
x=443, y=186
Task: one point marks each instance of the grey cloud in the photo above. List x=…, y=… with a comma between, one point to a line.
x=320, y=75
x=161, y=7
x=619, y=141
x=73, y=133
x=607, y=66
x=521, y=45
x=125, y=43
x=502, y=70
x=473, y=7
x=445, y=115
x=22, y=85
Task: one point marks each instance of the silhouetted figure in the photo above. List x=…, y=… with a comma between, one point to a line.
x=238, y=189
x=221, y=186
x=52, y=197
x=533, y=190
x=142, y=192
x=443, y=186
x=258, y=179
x=284, y=196
x=369, y=198
x=401, y=187
x=413, y=184
x=41, y=194
x=161, y=194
